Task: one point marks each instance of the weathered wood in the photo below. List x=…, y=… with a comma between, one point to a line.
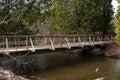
x=32, y=42
x=27, y=42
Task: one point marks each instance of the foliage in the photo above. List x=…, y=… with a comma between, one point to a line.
x=117, y=24
x=60, y=16
x=81, y=16
x=19, y=16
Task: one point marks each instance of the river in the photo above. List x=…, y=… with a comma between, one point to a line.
x=64, y=66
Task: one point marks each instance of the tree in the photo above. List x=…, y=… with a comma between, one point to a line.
x=22, y=16
x=81, y=16
x=61, y=16
x=117, y=24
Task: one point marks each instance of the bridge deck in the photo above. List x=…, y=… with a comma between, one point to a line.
x=10, y=44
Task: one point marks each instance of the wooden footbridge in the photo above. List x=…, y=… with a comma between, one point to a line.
x=10, y=44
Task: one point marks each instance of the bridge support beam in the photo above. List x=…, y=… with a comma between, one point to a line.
x=52, y=44
x=99, y=39
x=80, y=42
x=67, y=41
x=112, y=39
x=31, y=42
x=91, y=42
x=7, y=48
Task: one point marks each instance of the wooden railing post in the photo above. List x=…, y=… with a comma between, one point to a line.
x=3, y=43
x=74, y=40
x=27, y=43
x=15, y=43
x=84, y=40
x=36, y=41
x=45, y=38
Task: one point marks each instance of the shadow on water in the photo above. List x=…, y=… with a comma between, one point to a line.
x=31, y=64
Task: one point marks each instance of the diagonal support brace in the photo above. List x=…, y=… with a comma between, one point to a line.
x=31, y=42
x=68, y=45
x=7, y=47
x=52, y=44
x=80, y=42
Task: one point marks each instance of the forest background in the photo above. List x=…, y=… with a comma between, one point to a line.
x=56, y=17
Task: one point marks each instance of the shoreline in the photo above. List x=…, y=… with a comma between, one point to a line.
x=112, y=51
x=6, y=74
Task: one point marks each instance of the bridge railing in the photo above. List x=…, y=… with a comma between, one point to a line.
x=33, y=42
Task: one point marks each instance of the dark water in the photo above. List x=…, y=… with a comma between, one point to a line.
x=61, y=66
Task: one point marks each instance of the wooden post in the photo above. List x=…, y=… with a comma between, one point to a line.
x=27, y=43
x=61, y=41
x=84, y=39
x=74, y=40
x=101, y=38
x=45, y=42
x=15, y=43
x=36, y=42
x=3, y=44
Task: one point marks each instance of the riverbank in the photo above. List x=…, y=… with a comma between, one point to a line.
x=6, y=74
x=67, y=58
x=112, y=50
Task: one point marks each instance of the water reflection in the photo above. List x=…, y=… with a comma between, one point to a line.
x=115, y=70
x=62, y=66
x=33, y=63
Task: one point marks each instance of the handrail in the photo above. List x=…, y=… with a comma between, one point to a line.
x=15, y=43
x=58, y=35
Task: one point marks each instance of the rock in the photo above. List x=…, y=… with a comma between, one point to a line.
x=102, y=78
x=97, y=69
x=9, y=75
